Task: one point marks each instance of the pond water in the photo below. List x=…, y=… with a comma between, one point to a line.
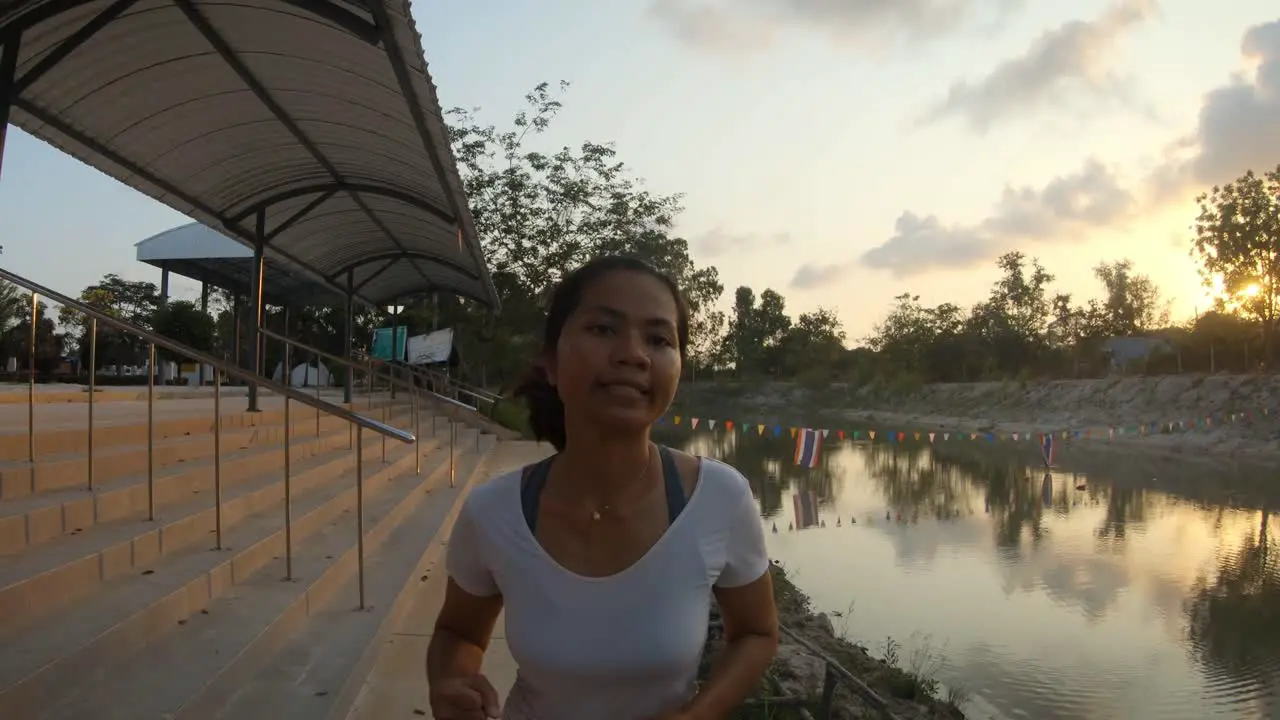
x=1111, y=589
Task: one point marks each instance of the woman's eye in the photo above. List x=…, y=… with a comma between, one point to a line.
x=660, y=341
x=599, y=329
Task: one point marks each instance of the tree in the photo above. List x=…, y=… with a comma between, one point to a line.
x=16, y=341
x=1237, y=239
x=540, y=214
x=184, y=322
x=132, y=301
x=1131, y=303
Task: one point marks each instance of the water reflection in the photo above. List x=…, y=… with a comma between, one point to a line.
x=1093, y=591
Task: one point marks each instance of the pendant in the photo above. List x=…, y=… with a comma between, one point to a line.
x=595, y=514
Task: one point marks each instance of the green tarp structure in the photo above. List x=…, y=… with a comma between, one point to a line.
x=381, y=346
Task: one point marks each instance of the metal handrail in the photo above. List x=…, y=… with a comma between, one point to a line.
x=357, y=366
x=834, y=673
x=222, y=365
x=412, y=388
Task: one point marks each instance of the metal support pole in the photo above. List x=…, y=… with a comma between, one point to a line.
x=204, y=308
x=360, y=511
x=93, y=389
x=31, y=388
x=417, y=435
x=217, y=458
x=384, y=437
x=395, y=336
x=255, y=299
x=288, y=481
x=151, y=431
x=453, y=440
x=317, y=393
x=164, y=284
x=8, y=71
x=348, y=330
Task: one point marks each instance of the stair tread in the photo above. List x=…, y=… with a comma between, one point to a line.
x=160, y=679
x=30, y=503
x=69, y=548
x=66, y=630
x=306, y=676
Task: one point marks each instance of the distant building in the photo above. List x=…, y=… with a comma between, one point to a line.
x=1122, y=351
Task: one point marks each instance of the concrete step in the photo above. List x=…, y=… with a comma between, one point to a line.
x=30, y=521
x=70, y=470
x=49, y=577
x=309, y=663
x=69, y=648
x=69, y=433
x=131, y=429
x=230, y=631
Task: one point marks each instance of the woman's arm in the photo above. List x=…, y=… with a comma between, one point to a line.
x=751, y=637
x=461, y=634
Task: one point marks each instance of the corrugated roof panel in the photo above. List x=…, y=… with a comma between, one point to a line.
x=223, y=108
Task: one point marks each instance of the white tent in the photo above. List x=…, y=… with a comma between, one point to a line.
x=305, y=375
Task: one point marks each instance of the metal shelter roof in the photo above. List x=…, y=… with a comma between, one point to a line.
x=201, y=253
x=311, y=125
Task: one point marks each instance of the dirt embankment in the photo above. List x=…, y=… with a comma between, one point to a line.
x=1177, y=414
x=795, y=680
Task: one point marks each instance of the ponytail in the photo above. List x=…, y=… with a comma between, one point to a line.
x=546, y=410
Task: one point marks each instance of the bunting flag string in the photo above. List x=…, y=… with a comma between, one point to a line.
x=812, y=437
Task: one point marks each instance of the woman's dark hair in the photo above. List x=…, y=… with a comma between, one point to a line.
x=546, y=410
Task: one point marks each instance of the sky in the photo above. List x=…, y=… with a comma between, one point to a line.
x=841, y=152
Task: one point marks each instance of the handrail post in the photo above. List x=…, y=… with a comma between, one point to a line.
x=288, y=481
x=360, y=512
x=453, y=440
x=217, y=457
x=31, y=388
x=417, y=435
x=151, y=431
x=828, y=691
x=384, y=437
x=317, y=394
x=93, y=389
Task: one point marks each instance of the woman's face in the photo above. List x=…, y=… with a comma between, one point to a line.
x=617, y=363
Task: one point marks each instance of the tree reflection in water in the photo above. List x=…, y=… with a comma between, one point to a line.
x=768, y=463
x=1231, y=613
x=1234, y=618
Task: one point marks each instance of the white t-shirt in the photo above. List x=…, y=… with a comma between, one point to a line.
x=623, y=647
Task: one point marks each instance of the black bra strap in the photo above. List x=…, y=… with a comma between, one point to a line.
x=535, y=481
x=675, y=489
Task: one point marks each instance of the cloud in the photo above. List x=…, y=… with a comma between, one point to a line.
x=752, y=24
x=1065, y=208
x=719, y=242
x=1072, y=57
x=1238, y=128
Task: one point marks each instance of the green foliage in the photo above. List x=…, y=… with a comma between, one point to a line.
x=541, y=212
x=1237, y=240
x=183, y=321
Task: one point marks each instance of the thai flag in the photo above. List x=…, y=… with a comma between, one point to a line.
x=808, y=447
x=1046, y=448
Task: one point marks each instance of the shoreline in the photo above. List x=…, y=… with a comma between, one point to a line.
x=1203, y=418
x=798, y=673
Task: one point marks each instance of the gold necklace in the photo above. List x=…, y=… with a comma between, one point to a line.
x=648, y=463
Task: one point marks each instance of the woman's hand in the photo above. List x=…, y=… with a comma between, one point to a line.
x=464, y=698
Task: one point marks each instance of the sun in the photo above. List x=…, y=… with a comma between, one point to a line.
x=1251, y=291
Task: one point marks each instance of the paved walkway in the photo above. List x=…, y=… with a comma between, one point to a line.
x=397, y=686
